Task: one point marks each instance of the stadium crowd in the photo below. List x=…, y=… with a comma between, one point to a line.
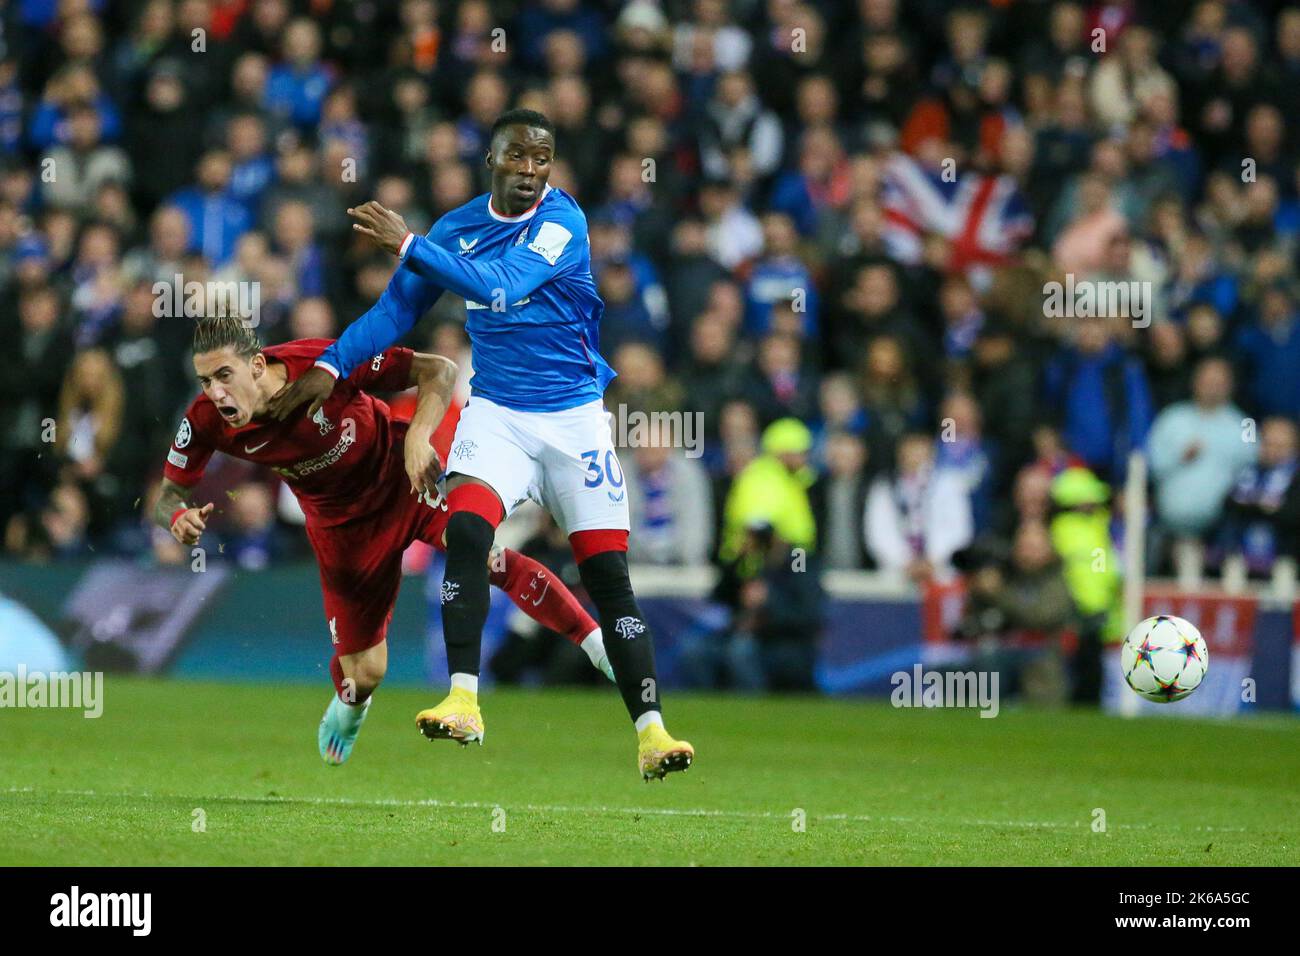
x=826, y=226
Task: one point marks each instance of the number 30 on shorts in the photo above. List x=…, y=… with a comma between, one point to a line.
x=596, y=475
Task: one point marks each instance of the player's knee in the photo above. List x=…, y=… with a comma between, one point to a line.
x=469, y=534
x=605, y=576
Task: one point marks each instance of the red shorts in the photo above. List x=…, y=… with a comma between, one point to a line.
x=361, y=564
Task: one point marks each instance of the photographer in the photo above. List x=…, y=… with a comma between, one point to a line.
x=775, y=599
x=1017, y=612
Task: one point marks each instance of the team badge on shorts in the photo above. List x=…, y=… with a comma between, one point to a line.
x=629, y=627
x=465, y=449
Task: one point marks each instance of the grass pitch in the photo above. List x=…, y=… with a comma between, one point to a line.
x=873, y=785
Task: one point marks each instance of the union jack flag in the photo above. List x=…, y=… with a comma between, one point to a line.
x=984, y=217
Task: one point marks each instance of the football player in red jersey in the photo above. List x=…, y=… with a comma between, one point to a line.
x=366, y=483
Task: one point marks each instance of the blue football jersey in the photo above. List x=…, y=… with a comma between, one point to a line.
x=533, y=312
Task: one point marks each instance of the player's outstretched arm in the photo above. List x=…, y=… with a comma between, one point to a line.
x=186, y=524
x=434, y=377
x=498, y=283
x=406, y=298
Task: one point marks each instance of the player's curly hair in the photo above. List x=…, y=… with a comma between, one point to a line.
x=211, y=334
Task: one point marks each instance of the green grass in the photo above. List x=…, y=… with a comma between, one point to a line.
x=877, y=785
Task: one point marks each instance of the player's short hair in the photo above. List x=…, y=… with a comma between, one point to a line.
x=211, y=334
x=521, y=117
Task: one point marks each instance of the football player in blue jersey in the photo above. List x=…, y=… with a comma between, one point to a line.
x=535, y=426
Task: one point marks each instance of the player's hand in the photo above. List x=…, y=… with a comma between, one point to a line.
x=313, y=385
x=189, y=527
x=422, y=465
x=383, y=227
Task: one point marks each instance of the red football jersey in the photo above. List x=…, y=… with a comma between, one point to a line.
x=338, y=462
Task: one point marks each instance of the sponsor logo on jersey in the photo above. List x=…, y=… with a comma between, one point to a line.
x=176, y=458
x=467, y=247
x=449, y=591
x=305, y=468
x=376, y=362
x=256, y=448
x=184, y=433
x=334, y=630
x=550, y=241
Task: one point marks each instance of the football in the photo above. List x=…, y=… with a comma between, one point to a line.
x=1164, y=658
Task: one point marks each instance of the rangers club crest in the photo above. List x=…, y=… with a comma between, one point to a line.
x=629, y=627
x=465, y=449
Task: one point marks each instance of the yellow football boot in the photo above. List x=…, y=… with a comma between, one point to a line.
x=659, y=755
x=456, y=718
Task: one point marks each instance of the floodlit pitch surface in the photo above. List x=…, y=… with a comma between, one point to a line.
x=178, y=773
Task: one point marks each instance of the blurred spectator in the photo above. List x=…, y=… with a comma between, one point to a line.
x=773, y=488
x=1103, y=397
x=780, y=384
x=711, y=372
x=736, y=117
x=917, y=516
x=1016, y=616
x=776, y=608
x=1262, y=513
x=216, y=219
x=73, y=173
x=963, y=451
x=733, y=232
x=840, y=501
x=1197, y=450
x=1080, y=530
x=29, y=393
x=253, y=539
x=780, y=275
x=296, y=89
x=1270, y=355
x=670, y=502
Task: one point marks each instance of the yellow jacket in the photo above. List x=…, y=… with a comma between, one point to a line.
x=765, y=490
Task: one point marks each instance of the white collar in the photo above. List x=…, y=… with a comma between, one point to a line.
x=523, y=216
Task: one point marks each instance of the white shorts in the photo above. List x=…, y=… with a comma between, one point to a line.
x=565, y=461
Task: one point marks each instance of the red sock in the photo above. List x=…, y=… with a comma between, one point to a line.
x=542, y=595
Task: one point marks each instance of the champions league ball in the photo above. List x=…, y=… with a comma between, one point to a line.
x=1164, y=658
